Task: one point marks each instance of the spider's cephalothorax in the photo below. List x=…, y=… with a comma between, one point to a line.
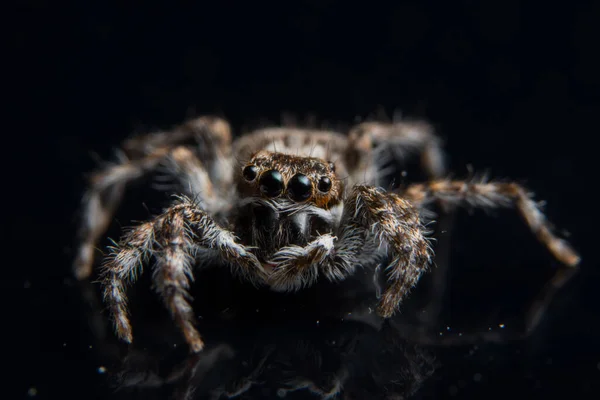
x=281, y=207
x=286, y=200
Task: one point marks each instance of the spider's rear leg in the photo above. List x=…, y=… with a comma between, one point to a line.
x=209, y=136
x=399, y=138
x=498, y=194
x=101, y=201
x=212, y=134
x=106, y=191
x=491, y=195
x=172, y=239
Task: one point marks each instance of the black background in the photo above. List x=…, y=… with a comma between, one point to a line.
x=512, y=87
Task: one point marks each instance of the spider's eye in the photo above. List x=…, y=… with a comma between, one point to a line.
x=324, y=184
x=299, y=187
x=271, y=183
x=331, y=166
x=250, y=172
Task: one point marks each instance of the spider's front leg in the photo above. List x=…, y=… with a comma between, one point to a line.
x=368, y=212
x=395, y=222
x=172, y=239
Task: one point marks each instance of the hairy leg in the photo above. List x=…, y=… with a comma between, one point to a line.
x=496, y=194
x=106, y=191
x=369, y=140
x=489, y=195
x=210, y=133
x=396, y=223
x=172, y=239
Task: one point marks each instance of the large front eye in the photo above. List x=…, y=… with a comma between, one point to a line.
x=250, y=172
x=271, y=183
x=299, y=187
x=324, y=184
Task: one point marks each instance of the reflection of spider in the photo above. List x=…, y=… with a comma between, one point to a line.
x=281, y=207
x=361, y=358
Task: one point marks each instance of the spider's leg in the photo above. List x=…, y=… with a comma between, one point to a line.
x=173, y=273
x=172, y=238
x=106, y=191
x=121, y=269
x=396, y=223
x=212, y=136
x=368, y=139
x=497, y=194
x=490, y=195
x=100, y=203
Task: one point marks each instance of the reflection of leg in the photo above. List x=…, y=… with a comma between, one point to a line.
x=191, y=373
x=543, y=299
x=334, y=387
x=141, y=370
x=427, y=335
x=240, y=385
x=104, y=344
x=429, y=315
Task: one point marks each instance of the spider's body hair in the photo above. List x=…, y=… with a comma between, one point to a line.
x=281, y=207
x=271, y=224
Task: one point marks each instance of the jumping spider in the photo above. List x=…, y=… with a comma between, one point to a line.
x=282, y=207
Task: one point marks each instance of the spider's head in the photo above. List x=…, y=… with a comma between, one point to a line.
x=292, y=179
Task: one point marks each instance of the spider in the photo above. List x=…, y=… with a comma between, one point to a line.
x=281, y=207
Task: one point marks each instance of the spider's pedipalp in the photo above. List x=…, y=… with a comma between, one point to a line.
x=494, y=194
x=298, y=267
